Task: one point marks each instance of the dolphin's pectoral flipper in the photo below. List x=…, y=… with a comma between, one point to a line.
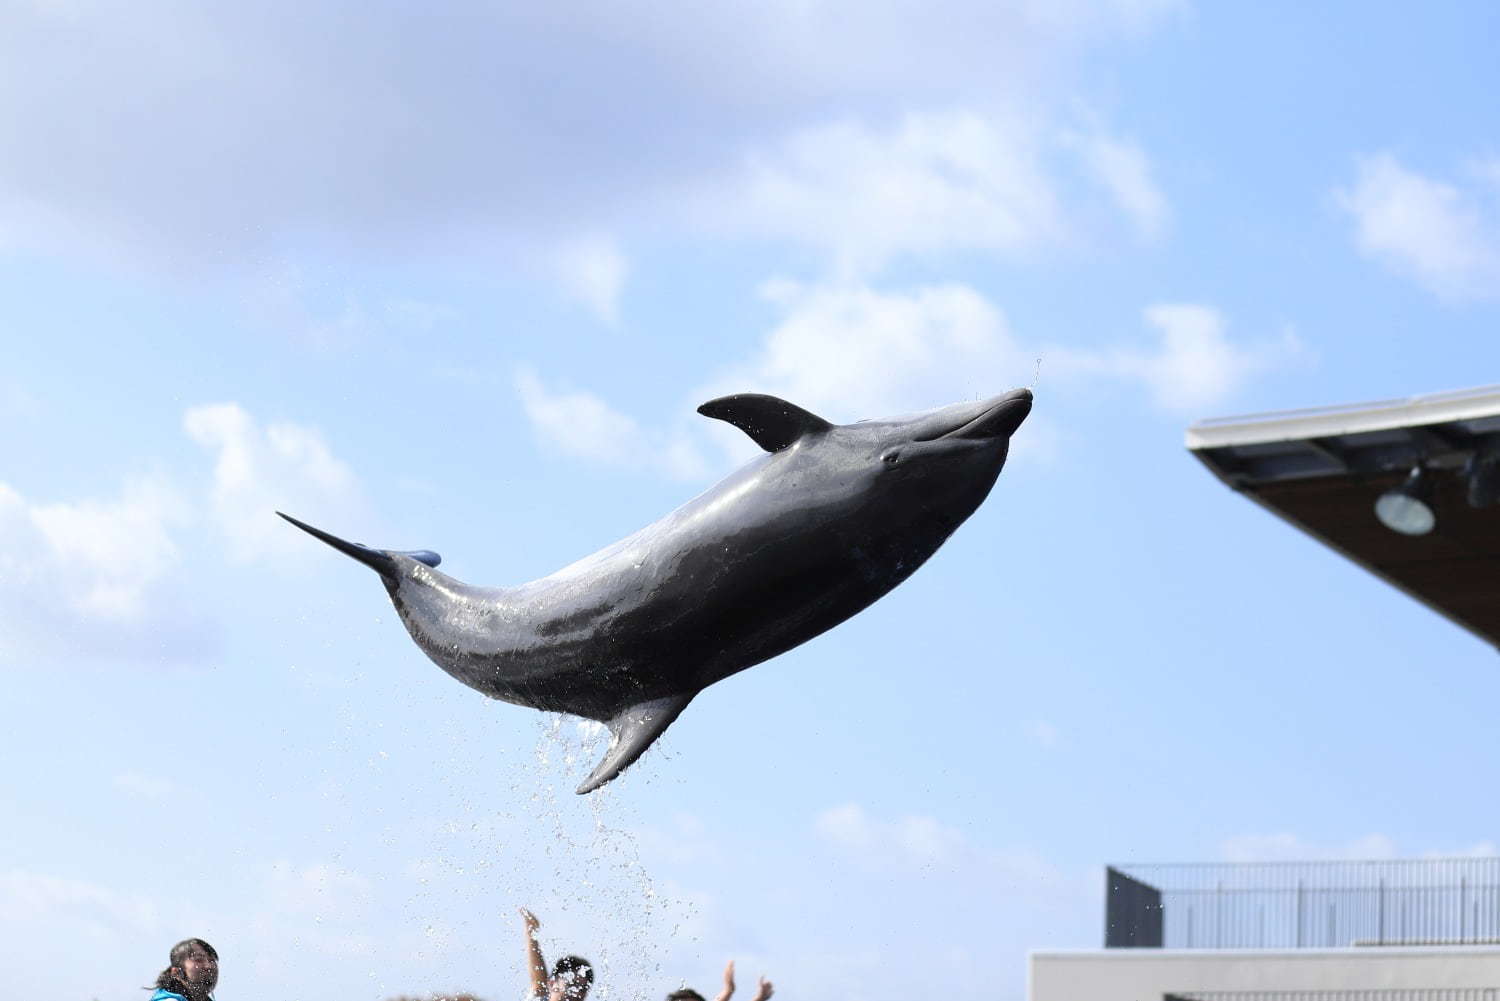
x=772, y=422
x=632, y=731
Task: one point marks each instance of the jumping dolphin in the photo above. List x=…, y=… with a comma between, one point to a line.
x=788, y=546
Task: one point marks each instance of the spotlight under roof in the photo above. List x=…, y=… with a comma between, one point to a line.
x=1405, y=508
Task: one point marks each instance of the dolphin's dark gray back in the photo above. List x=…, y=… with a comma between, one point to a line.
x=829, y=520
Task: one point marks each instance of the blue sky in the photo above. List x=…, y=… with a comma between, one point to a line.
x=458, y=280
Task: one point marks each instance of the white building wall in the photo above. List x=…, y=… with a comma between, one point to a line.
x=1148, y=974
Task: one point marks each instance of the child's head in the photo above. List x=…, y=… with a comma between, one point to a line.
x=571, y=979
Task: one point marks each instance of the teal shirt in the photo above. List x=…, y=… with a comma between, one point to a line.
x=162, y=994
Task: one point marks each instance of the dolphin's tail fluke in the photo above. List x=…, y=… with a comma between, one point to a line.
x=376, y=559
x=632, y=731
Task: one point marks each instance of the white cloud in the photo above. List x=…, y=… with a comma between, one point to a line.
x=17, y=403
x=153, y=788
x=299, y=914
x=930, y=182
x=1043, y=732
x=322, y=889
x=260, y=470
x=95, y=575
x=845, y=351
x=1194, y=366
x=1286, y=847
x=593, y=270
x=954, y=881
x=321, y=907
x=579, y=423
x=1439, y=235
x=254, y=120
x=681, y=838
x=103, y=914
x=855, y=352
x=416, y=315
x=912, y=839
x=1197, y=366
x=1291, y=848
x=112, y=551
x=1131, y=16
x=852, y=352
x=583, y=425
x=848, y=352
x=321, y=306
x=1479, y=849
x=100, y=575
x=1124, y=170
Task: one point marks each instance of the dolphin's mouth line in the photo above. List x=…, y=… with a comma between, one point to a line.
x=1000, y=420
x=978, y=427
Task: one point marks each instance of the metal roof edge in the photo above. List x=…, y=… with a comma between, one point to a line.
x=1323, y=422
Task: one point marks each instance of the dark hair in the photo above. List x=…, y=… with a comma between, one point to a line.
x=685, y=994
x=576, y=966
x=168, y=980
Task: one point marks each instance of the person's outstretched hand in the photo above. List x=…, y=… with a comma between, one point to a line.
x=765, y=991
x=530, y=921
x=728, y=990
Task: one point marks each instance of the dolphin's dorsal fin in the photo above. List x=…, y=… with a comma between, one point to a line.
x=631, y=732
x=772, y=422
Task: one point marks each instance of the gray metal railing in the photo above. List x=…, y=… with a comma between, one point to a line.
x=1278, y=905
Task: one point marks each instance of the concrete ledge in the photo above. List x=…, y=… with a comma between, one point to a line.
x=1149, y=974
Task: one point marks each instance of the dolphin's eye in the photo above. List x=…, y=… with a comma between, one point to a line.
x=892, y=457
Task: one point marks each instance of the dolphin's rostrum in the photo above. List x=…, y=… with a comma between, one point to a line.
x=786, y=547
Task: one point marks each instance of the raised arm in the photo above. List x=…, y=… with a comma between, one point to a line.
x=728, y=990
x=764, y=992
x=535, y=964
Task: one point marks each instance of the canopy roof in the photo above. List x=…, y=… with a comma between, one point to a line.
x=1322, y=470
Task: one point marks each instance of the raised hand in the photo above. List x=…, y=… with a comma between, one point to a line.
x=728, y=990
